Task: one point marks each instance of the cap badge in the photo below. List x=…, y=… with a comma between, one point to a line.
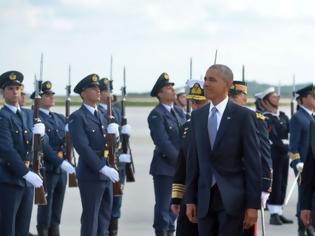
x=166, y=77
x=12, y=76
x=94, y=78
x=196, y=89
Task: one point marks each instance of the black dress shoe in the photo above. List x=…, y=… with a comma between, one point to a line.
x=275, y=220
x=285, y=220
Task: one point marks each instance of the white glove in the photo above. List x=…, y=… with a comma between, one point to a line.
x=299, y=166
x=126, y=129
x=39, y=128
x=66, y=128
x=67, y=167
x=264, y=197
x=112, y=128
x=111, y=173
x=124, y=158
x=33, y=179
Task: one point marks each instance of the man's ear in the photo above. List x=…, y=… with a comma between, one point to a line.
x=229, y=83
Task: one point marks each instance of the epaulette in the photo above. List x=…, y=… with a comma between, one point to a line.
x=178, y=190
x=294, y=156
x=260, y=116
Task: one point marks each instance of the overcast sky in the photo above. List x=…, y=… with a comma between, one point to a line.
x=273, y=39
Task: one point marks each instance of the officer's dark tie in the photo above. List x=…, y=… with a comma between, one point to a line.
x=212, y=125
x=19, y=114
x=173, y=112
x=96, y=115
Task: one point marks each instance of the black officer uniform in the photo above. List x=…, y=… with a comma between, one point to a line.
x=184, y=226
x=88, y=133
x=164, y=127
x=278, y=129
x=15, y=162
x=240, y=87
x=117, y=200
x=49, y=216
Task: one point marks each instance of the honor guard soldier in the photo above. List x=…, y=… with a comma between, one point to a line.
x=299, y=140
x=278, y=128
x=88, y=129
x=181, y=100
x=49, y=216
x=184, y=226
x=122, y=159
x=238, y=94
x=165, y=121
x=17, y=180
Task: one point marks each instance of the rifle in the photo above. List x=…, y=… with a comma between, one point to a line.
x=215, y=57
x=293, y=96
x=40, y=195
x=243, y=73
x=110, y=138
x=188, y=106
x=130, y=168
x=69, y=147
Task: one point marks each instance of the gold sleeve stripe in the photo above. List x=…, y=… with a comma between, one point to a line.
x=178, y=190
x=294, y=156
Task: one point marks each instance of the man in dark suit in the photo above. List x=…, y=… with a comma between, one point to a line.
x=300, y=140
x=49, y=216
x=88, y=131
x=164, y=121
x=224, y=178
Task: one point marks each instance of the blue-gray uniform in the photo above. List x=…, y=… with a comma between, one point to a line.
x=16, y=161
x=165, y=133
x=88, y=137
x=164, y=122
x=49, y=215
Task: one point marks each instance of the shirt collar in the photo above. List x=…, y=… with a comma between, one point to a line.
x=12, y=108
x=307, y=110
x=103, y=105
x=90, y=108
x=45, y=111
x=221, y=106
x=168, y=107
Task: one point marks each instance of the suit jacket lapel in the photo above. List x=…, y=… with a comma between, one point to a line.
x=167, y=113
x=225, y=123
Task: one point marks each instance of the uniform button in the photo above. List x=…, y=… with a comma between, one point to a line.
x=27, y=142
x=93, y=130
x=17, y=131
x=57, y=130
x=102, y=126
x=25, y=131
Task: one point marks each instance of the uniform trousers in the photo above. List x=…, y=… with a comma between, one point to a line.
x=163, y=216
x=50, y=214
x=16, y=203
x=97, y=200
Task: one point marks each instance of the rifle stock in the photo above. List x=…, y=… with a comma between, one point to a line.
x=69, y=147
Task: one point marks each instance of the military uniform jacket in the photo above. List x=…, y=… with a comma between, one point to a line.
x=165, y=133
x=234, y=161
x=299, y=136
x=266, y=161
x=278, y=129
x=16, y=145
x=55, y=129
x=88, y=136
x=178, y=187
x=307, y=187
